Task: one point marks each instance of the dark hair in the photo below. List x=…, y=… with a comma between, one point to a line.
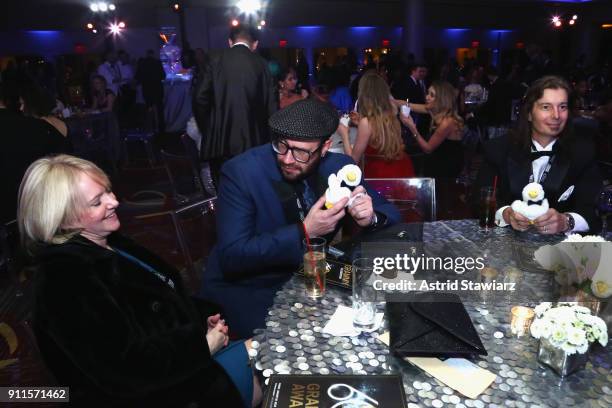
x=37, y=101
x=282, y=75
x=521, y=134
x=244, y=32
x=417, y=65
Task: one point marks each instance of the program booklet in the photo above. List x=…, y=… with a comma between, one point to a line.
x=338, y=274
x=325, y=391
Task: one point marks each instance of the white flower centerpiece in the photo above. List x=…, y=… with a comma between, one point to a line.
x=566, y=331
x=581, y=262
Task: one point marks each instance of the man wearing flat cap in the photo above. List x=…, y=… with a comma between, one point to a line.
x=269, y=197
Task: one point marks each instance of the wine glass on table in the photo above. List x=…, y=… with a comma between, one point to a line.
x=604, y=207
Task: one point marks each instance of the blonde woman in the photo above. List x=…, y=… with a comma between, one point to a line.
x=444, y=145
x=113, y=321
x=379, y=136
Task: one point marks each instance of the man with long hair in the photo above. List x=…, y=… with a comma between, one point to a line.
x=543, y=148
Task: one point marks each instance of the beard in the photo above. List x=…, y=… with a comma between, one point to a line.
x=298, y=171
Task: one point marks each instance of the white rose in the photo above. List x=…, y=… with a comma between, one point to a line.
x=568, y=348
x=558, y=336
x=601, y=288
x=536, y=329
x=603, y=339
x=546, y=328
x=582, y=310
x=542, y=307
x=583, y=348
x=576, y=336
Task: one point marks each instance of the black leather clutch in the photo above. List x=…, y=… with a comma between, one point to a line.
x=432, y=324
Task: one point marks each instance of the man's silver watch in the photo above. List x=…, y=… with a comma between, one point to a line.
x=571, y=222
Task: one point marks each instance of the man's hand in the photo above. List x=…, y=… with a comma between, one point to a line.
x=518, y=221
x=321, y=221
x=551, y=222
x=361, y=209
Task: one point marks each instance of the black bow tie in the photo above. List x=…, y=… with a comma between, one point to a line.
x=537, y=155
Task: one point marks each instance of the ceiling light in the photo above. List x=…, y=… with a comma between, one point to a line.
x=234, y=22
x=572, y=22
x=263, y=23
x=558, y=23
x=89, y=26
x=249, y=6
x=121, y=24
x=259, y=27
x=94, y=31
x=114, y=28
x=575, y=17
x=103, y=7
x=94, y=7
x=556, y=19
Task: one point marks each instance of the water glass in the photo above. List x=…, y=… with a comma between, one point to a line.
x=604, y=207
x=315, y=267
x=364, y=294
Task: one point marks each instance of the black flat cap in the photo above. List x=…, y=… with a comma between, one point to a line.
x=308, y=119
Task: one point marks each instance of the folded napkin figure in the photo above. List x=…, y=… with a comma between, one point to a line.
x=432, y=324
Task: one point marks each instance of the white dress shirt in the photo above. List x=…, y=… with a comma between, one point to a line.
x=112, y=74
x=538, y=167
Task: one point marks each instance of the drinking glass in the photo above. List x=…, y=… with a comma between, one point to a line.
x=364, y=295
x=315, y=267
x=488, y=207
x=604, y=206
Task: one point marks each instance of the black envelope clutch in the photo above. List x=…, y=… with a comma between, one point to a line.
x=432, y=324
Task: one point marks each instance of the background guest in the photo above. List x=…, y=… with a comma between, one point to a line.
x=24, y=139
x=379, y=140
x=287, y=88
x=102, y=97
x=111, y=71
x=233, y=100
x=444, y=143
x=40, y=104
x=150, y=74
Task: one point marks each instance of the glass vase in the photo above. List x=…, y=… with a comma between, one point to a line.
x=562, y=363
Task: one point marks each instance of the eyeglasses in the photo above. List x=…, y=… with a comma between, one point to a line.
x=300, y=155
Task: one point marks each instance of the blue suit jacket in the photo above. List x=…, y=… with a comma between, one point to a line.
x=259, y=242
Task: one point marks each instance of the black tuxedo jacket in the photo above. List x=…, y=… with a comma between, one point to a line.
x=23, y=140
x=574, y=165
x=118, y=335
x=498, y=108
x=232, y=101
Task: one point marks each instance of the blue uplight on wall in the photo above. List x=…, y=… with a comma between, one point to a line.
x=44, y=33
x=309, y=28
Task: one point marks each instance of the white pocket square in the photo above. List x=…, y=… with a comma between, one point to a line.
x=566, y=194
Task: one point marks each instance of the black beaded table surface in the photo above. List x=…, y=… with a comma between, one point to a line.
x=293, y=341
